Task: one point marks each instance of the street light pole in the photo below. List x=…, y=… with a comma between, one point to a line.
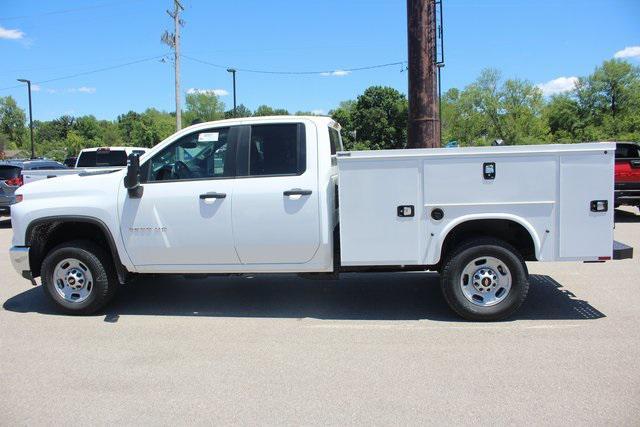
x=28, y=82
x=233, y=71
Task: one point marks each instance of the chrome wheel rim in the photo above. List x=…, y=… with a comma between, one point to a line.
x=73, y=280
x=485, y=281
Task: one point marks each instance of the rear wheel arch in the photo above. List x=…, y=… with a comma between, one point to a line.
x=513, y=230
x=44, y=234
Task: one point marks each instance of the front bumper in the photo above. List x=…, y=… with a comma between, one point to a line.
x=20, y=260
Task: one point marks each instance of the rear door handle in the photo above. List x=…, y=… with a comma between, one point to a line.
x=297, y=192
x=212, y=195
x=635, y=163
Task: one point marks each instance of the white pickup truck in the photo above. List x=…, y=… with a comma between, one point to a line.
x=89, y=161
x=277, y=195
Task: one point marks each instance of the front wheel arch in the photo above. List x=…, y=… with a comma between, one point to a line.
x=43, y=234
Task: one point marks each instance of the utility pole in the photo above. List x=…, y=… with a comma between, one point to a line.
x=173, y=41
x=233, y=71
x=28, y=82
x=424, y=116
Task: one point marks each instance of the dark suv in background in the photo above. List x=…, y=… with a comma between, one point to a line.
x=11, y=178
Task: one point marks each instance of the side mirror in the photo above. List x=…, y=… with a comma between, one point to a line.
x=132, y=179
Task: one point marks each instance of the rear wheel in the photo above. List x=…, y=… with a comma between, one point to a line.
x=78, y=277
x=485, y=279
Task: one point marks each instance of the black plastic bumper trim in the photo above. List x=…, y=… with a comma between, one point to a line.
x=622, y=251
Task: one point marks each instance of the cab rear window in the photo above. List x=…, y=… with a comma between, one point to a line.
x=106, y=158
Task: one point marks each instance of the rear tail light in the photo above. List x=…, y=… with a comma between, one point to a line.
x=15, y=182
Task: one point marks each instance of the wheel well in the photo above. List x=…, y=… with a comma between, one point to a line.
x=509, y=231
x=45, y=235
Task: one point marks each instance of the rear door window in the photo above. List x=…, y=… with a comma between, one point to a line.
x=277, y=149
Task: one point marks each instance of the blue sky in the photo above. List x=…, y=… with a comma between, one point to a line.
x=542, y=41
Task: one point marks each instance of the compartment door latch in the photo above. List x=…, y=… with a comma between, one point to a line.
x=599, y=205
x=406, y=211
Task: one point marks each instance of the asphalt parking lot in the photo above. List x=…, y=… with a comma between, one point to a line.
x=368, y=349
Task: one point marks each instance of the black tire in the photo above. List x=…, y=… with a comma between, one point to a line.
x=99, y=263
x=451, y=277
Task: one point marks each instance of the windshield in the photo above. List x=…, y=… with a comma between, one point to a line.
x=91, y=159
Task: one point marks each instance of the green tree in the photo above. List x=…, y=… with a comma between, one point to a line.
x=241, y=111
x=88, y=128
x=12, y=119
x=562, y=114
x=380, y=118
x=344, y=115
x=461, y=120
x=204, y=106
x=490, y=109
x=265, y=110
x=603, y=105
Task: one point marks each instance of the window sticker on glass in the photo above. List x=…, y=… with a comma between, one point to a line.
x=208, y=137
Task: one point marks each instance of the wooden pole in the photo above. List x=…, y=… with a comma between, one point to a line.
x=424, y=117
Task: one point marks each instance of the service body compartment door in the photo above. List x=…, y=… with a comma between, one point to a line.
x=586, y=178
x=372, y=229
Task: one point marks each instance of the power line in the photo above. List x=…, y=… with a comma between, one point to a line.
x=64, y=11
x=85, y=73
x=225, y=67
x=248, y=70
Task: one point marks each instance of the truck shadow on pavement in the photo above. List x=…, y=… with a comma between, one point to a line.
x=626, y=216
x=381, y=296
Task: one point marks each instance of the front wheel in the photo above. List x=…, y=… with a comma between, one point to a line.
x=485, y=279
x=78, y=277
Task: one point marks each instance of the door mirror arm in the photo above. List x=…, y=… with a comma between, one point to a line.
x=132, y=179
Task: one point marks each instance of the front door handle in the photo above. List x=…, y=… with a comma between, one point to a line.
x=297, y=192
x=212, y=195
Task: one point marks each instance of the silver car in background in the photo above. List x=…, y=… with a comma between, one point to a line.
x=11, y=178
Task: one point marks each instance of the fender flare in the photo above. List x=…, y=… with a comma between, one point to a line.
x=121, y=270
x=496, y=216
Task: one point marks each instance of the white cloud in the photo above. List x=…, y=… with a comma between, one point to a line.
x=559, y=85
x=81, y=89
x=336, y=73
x=85, y=89
x=10, y=34
x=35, y=88
x=52, y=90
x=216, y=92
x=628, y=52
